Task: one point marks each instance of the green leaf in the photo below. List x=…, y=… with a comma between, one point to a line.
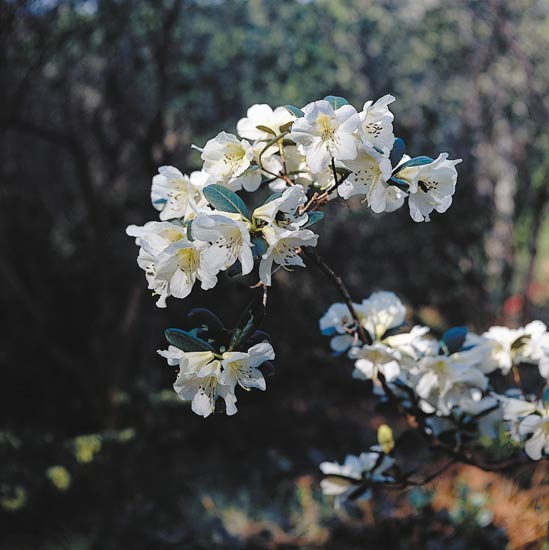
x=397, y=152
x=186, y=341
x=295, y=111
x=454, y=338
x=335, y=101
x=266, y=129
x=203, y=316
x=545, y=397
x=401, y=184
x=225, y=200
x=416, y=161
x=247, y=324
x=313, y=217
x=273, y=197
x=260, y=246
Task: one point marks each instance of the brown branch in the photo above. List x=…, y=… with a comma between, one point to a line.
x=342, y=289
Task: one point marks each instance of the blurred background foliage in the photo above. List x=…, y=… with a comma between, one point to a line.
x=95, y=95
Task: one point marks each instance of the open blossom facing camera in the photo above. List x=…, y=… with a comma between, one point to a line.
x=172, y=263
x=177, y=195
x=228, y=161
x=229, y=238
x=326, y=133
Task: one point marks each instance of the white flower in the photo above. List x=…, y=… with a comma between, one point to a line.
x=242, y=368
x=536, y=349
x=376, y=122
x=171, y=262
x=414, y=344
x=502, y=339
x=229, y=238
x=263, y=115
x=326, y=133
x=228, y=161
x=284, y=245
x=177, y=195
x=442, y=382
x=373, y=359
x=284, y=210
x=431, y=186
x=538, y=427
x=370, y=465
x=382, y=311
x=338, y=322
x=198, y=380
x=370, y=172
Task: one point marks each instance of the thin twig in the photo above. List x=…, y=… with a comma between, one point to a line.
x=342, y=289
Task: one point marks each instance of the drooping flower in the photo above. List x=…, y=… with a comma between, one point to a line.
x=370, y=173
x=177, y=195
x=284, y=246
x=375, y=358
x=198, y=380
x=228, y=161
x=326, y=133
x=242, y=367
x=376, y=123
x=263, y=115
x=172, y=263
x=229, y=238
x=431, y=186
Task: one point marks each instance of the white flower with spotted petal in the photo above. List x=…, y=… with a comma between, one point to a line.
x=326, y=133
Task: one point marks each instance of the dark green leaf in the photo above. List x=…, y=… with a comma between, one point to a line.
x=313, y=217
x=260, y=246
x=295, y=111
x=335, y=101
x=454, y=338
x=203, y=316
x=545, y=397
x=397, y=152
x=273, y=197
x=401, y=184
x=225, y=200
x=248, y=324
x=186, y=341
x=416, y=161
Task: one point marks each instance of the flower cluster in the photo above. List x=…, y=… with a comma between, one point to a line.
x=447, y=384
x=307, y=157
x=205, y=376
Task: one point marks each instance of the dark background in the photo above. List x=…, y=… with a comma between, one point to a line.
x=96, y=95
